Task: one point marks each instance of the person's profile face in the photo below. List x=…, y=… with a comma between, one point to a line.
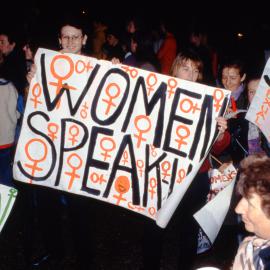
x=188, y=70
x=253, y=216
x=72, y=39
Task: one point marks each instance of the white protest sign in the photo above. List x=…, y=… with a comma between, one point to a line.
x=259, y=110
x=219, y=180
x=212, y=215
x=7, y=199
x=115, y=133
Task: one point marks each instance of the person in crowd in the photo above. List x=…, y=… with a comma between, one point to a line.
x=167, y=52
x=257, y=142
x=247, y=135
x=233, y=77
x=145, y=55
x=254, y=134
x=133, y=25
x=99, y=38
x=1, y=58
x=112, y=47
x=187, y=66
x=8, y=122
x=158, y=37
x=72, y=38
x=140, y=52
x=30, y=47
x=13, y=57
x=129, y=45
x=254, y=209
x=129, y=41
x=252, y=85
x=198, y=38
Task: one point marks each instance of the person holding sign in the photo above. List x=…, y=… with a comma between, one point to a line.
x=187, y=66
x=233, y=77
x=254, y=208
x=72, y=39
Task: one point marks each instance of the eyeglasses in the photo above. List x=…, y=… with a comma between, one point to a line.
x=71, y=38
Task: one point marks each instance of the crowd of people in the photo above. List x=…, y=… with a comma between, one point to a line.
x=155, y=50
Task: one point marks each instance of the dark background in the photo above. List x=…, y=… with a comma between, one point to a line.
x=223, y=21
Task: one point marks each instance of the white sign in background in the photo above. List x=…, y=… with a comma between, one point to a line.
x=212, y=215
x=259, y=109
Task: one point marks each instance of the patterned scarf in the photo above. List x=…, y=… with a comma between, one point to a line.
x=251, y=254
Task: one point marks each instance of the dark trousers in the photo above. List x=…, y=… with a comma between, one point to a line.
x=193, y=200
x=82, y=218
x=41, y=212
x=6, y=156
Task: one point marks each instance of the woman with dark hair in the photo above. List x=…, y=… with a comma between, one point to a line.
x=254, y=208
x=145, y=55
x=233, y=77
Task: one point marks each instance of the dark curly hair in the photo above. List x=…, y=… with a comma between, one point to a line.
x=255, y=177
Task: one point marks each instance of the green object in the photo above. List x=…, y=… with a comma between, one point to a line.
x=12, y=194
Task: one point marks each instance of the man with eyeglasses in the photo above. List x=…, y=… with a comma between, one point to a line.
x=72, y=39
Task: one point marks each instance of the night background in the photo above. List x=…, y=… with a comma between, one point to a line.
x=223, y=20
x=233, y=28
x=237, y=28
